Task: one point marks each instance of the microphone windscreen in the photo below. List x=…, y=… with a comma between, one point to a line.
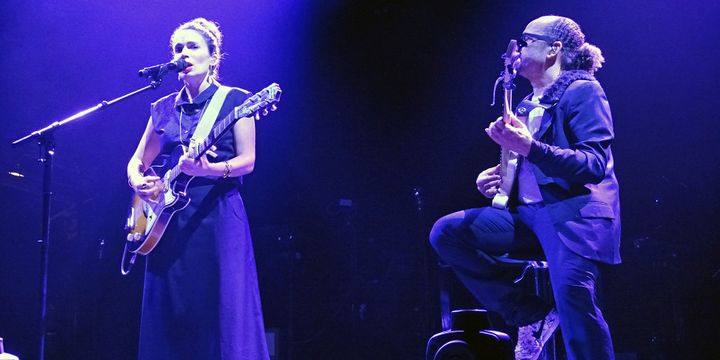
x=178, y=64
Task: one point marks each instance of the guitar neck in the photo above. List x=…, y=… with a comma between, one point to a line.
x=253, y=105
x=507, y=105
x=196, y=150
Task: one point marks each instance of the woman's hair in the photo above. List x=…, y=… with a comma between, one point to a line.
x=210, y=31
x=576, y=54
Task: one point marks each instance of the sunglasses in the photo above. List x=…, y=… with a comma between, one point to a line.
x=526, y=38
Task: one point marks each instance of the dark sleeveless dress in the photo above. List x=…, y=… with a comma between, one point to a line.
x=201, y=298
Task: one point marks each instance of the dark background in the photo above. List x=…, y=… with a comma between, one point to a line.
x=379, y=132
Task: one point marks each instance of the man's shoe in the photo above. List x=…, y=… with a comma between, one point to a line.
x=532, y=337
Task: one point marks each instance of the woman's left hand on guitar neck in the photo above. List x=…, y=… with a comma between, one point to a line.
x=514, y=136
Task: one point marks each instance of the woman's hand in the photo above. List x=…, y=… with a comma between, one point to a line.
x=146, y=187
x=199, y=167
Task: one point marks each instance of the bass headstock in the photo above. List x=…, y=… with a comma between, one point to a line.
x=511, y=60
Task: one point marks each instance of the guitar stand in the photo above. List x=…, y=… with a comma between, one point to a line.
x=46, y=140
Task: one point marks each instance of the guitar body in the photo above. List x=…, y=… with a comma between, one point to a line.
x=151, y=218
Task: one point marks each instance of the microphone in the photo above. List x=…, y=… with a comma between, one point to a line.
x=151, y=71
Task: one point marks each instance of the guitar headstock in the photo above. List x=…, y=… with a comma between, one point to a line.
x=261, y=103
x=509, y=54
x=511, y=60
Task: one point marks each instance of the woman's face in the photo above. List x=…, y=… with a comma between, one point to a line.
x=191, y=46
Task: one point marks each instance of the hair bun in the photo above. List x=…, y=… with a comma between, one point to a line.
x=589, y=58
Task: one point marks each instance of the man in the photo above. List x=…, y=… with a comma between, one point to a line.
x=565, y=199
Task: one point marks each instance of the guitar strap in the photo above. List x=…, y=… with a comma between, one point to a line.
x=210, y=115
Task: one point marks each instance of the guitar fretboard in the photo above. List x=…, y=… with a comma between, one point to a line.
x=253, y=105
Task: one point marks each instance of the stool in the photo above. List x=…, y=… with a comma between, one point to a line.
x=452, y=340
x=543, y=289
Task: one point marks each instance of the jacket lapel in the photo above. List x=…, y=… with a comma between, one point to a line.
x=545, y=121
x=524, y=108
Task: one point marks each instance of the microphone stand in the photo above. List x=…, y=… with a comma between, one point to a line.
x=46, y=140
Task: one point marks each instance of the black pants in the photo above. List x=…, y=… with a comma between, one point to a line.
x=465, y=239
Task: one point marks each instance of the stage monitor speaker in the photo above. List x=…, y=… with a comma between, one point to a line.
x=469, y=339
x=469, y=345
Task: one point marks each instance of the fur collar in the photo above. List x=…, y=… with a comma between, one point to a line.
x=553, y=94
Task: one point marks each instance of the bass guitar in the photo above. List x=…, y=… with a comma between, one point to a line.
x=147, y=220
x=508, y=158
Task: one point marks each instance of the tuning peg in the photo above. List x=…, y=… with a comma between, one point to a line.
x=273, y=107
x=257, y=116
x=265, y=112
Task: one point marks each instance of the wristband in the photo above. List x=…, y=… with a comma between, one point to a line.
x=228, y=169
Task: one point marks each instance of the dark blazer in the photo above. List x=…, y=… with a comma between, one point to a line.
x=575, y=171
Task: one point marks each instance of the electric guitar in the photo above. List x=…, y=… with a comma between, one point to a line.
x=508, y=158
x=147, y=220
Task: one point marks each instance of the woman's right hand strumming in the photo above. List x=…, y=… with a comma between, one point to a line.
x=146, y=187
x=488, y=181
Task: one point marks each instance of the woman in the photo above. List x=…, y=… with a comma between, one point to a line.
x=201, y=295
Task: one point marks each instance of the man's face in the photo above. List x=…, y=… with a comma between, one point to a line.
x=537, y=46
